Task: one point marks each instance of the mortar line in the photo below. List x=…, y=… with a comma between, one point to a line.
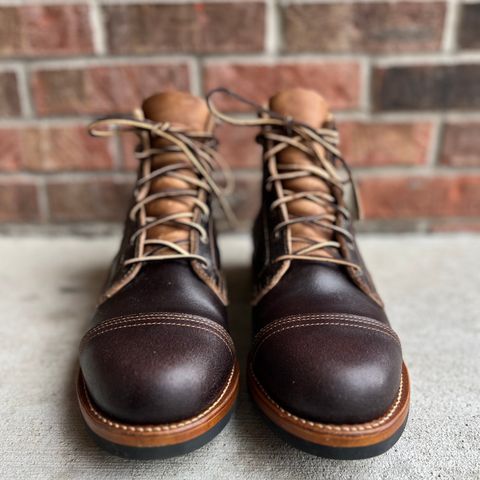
x=16, y=3
x=366, y=87
x=435, y=144
x=167, y=2
x=451, y=25
x=19, y=3
x=69, y=176
x=273, y=35
x=42, y=199
x=195, y=75
x=67, y=63
x=26, y=103
x=425, y=170
x=301, y=2
x=439, y=57
x=387, y=171
x=408, y=116
x=400, y=59
x=97, y=26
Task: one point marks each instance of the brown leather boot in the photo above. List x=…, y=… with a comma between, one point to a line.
x=325, y=367
x=158, y=374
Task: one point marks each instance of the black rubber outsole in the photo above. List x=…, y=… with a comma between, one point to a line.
x=158, y=453
x=336, y=453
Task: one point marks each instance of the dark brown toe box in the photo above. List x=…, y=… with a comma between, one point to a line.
x=156, y=368
x=329, y=368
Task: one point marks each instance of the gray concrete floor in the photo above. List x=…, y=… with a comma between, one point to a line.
x=48, y=289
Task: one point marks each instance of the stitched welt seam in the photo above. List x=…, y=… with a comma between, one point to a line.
x=132, y=429
x=327, y=426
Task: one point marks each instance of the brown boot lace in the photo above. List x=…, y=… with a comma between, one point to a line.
x=200, y=158
x=321, y=146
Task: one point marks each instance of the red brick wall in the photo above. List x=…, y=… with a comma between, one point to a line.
x=402, y=76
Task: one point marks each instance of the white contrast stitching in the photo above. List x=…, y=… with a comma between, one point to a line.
x=156, y=428
x=326, y=316
x=148, y=316
x=153, y=316
x=326, y=426
x=163, y=323
x=257, y=348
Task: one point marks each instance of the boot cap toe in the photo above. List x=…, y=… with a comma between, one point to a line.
x=329, y=368
x=156, y=368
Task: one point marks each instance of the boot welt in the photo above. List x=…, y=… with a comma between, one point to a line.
x=159, y=441
x=347, y=441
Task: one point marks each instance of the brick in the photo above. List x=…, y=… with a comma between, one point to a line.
x=129, y=142
x=338, y=82
x=469, y=28
x=53, y=148
x=195, y=27
x=429, y=87
x=36, y=30
x=461, y=145
x=101, y=90
x=9, y=99
x=376, y=144
x=10, y=150
x=96, y=199
x=375, y=27
x=409, y=197
x=65, y=148
x=19, y=201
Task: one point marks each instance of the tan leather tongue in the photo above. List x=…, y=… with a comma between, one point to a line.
x=309, y=107
x=179, y=108
x=191, y=114
x=306, y=106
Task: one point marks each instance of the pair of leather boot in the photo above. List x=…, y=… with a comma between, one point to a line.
x=158, y=372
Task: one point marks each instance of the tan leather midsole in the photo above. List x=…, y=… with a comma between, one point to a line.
x=333, y=435
x=158, y=435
